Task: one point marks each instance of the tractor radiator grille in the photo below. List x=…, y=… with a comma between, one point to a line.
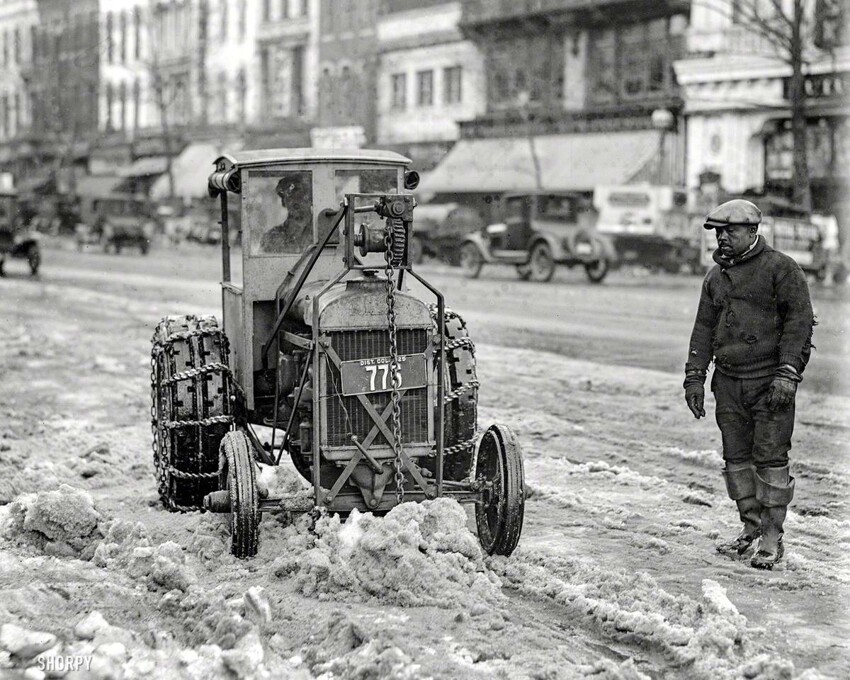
x=346, y=415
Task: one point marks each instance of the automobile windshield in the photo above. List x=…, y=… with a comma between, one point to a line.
x=557, y=208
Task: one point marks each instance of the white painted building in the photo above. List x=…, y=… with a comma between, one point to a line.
x=125, y=94
x=16, y=19
x=737, y=110
x=429, y=78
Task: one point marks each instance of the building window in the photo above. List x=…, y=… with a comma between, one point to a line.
x=5, y=38
x=222, y=98
x=243, y=9
x=298, y=79
x=284, y=9
x=223, y=18
x=109, y=106
x=109, y=45
x=4, y=112
x=452, y=85
x=425, y=88
x=241, y=90
x=33, y=43
x=17, y=46
x=122, y=50
x=267, y=10
x=137, y=33
x=137, y=104
x=122, y=97
x=399, y=91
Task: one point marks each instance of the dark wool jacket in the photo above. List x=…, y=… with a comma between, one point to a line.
x=754, y=314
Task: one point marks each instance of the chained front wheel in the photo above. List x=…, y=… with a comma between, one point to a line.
x=237, y=475
x=499, y=467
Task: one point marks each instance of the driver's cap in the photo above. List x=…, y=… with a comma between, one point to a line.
x=734, y=212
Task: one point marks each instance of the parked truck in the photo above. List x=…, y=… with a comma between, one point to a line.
x=650, y=225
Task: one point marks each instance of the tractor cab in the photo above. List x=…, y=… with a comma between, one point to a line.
x=326, y=356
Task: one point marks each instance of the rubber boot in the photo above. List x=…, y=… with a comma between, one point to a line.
x=774, y=490
x=741, y=487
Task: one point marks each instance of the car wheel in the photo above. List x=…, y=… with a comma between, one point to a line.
x=470, y=260
x=34, y=259
x=541, y=265
x=596, y=271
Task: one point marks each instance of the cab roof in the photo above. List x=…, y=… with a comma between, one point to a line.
x=257, y=157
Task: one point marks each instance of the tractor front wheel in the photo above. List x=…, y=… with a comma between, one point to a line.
x=237, y=474
x=499, y=467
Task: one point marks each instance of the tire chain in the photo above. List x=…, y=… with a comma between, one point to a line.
x=164, y=469
x=450, y=314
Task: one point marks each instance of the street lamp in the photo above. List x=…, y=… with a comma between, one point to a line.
x=663, y=121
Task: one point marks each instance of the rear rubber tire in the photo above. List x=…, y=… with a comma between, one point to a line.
x=541, y=264
x=596, y=271
x=34, y=259
x=470, y=260
x=186, y=457
x=500, y=518
x=238, y=476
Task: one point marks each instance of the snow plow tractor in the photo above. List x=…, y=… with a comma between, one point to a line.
x=327, y=357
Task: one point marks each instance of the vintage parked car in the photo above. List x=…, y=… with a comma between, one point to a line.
x=124, y=220
x=16, y=238
x=540, y=231
x=439, y=230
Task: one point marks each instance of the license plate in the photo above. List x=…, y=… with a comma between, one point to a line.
x=365, y=376
x=584, y=248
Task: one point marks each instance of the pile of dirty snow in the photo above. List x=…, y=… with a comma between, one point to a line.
x=62, y=522
x=419, y=554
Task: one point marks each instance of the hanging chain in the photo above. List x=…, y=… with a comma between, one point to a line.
x=394, y=365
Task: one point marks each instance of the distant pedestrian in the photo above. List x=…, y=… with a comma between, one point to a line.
x=755, y=322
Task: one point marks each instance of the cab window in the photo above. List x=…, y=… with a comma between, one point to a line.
x=279, y=208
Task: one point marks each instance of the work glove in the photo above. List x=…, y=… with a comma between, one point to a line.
x=780, y=394
x=695, y=392
x=695, y=399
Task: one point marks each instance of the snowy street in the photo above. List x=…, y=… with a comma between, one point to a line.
x=615, y=576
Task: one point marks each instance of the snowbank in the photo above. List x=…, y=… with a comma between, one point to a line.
x=418, y=554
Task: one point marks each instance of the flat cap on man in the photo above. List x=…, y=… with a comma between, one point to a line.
x=734, y=212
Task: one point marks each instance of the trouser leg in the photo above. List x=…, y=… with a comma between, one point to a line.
x=774, y=484
x=737, y=432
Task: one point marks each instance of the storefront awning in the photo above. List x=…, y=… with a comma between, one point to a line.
x=569, y=162
x=96, y=185
x=191, y=171
x=144, y=167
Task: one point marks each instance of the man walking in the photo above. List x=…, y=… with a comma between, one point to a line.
x=755, y=322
